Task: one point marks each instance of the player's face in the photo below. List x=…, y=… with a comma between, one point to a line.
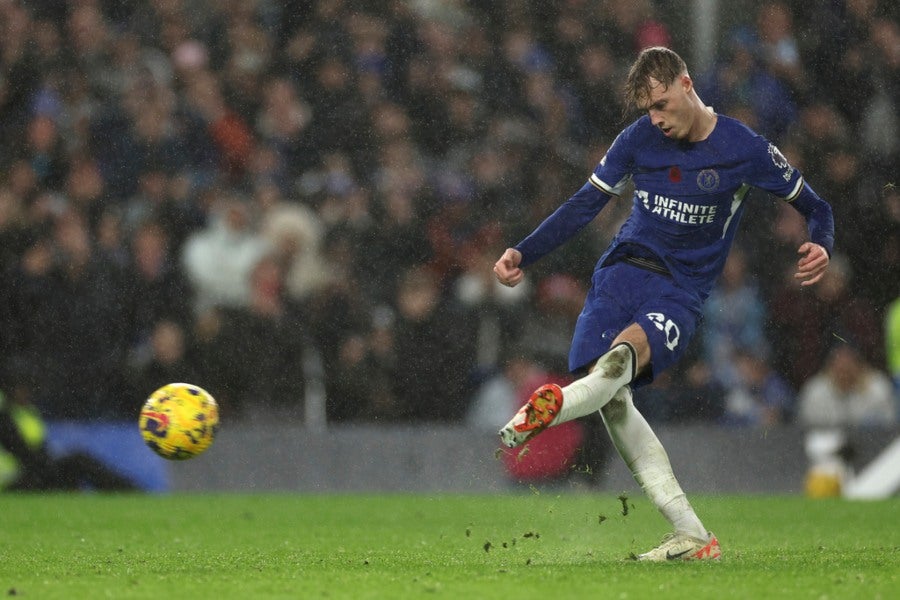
x=669, y=107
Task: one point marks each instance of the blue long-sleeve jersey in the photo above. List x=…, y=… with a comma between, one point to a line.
x=688, y=198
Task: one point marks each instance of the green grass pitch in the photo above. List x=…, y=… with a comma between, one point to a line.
x=544, y=544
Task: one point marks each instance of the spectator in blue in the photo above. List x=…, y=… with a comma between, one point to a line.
x=734, y=316
x=761, y=396
x=741, y=85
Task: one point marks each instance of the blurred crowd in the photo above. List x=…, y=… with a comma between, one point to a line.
x=262, y=195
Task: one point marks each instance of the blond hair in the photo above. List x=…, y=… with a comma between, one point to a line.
x=661, y=64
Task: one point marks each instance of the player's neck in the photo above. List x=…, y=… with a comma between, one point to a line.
x=704, y=122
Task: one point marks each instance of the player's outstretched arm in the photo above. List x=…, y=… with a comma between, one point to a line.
x=812, y=264
x=560, y=226
x=507, y=268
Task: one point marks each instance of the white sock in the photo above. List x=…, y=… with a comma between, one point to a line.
x=591, y=393
x=645, y=456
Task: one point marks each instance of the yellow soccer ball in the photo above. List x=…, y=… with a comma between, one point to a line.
x=179, y=421
x=822, y=484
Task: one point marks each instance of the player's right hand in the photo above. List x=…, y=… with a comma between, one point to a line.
x=507, y=268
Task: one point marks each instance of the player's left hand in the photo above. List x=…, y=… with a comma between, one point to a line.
x=812, y=264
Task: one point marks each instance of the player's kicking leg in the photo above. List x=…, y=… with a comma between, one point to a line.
x=537, y=414
x=551, y=405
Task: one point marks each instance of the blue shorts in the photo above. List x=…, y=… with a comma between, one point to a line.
x=622, y=294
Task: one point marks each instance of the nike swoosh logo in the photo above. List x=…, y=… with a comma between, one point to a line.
x=677, y=555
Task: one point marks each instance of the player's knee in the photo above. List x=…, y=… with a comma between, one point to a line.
x=621, y=358
x=635, y=336
x=615, y=410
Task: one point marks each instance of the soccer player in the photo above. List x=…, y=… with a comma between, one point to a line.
x=691, y=169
